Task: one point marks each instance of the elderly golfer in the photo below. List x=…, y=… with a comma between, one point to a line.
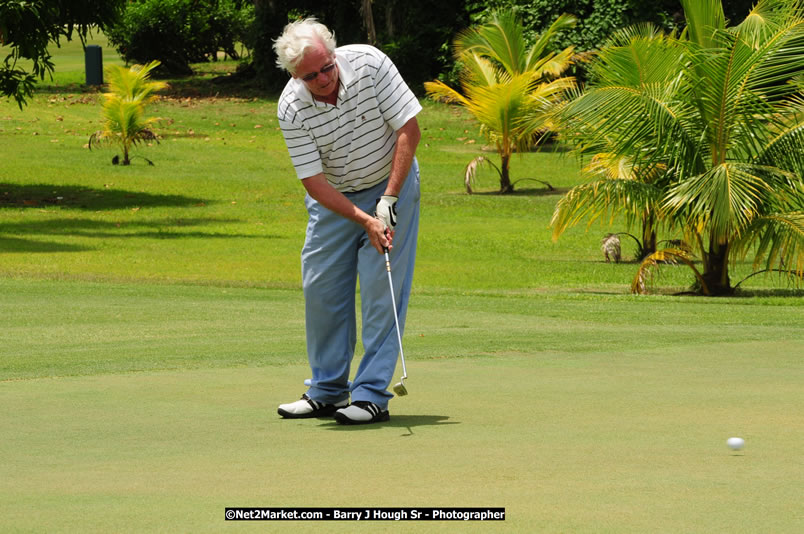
x=349, y=122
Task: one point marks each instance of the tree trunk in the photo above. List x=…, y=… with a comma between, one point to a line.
x=368, y=22
x=716, y=269
x=270, y=19
x=389, y=19
x=505, y=177
x=648, y=236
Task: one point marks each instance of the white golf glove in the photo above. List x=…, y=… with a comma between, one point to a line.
x=386, y=210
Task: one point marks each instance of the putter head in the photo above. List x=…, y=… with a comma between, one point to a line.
x=400, y=390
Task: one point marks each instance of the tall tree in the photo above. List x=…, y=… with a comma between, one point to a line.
x=30, y=27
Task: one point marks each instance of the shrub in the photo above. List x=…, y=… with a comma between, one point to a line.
x=179, y=32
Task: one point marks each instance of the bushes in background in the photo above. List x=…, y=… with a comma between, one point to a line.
x=180, y=32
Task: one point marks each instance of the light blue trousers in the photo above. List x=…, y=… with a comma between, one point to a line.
x=337, y=253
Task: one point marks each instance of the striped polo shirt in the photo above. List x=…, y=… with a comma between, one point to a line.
x=352, y=142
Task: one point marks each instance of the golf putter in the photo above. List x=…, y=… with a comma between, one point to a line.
x=398, y=388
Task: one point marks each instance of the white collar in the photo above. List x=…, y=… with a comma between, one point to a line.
x=346, y=75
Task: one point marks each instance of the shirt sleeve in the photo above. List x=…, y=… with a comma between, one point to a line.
x=397, y=102
x=303, y=151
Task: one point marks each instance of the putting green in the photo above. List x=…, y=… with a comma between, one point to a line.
x=576, y=442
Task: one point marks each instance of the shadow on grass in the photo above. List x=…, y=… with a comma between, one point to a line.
x=217, y=87
x=75, y=197
x=788, y=292
x=407, y=422
x=85, y=198
x=553, y=148
x=207, y=82
x=69, y=88
x=13, y=244
x=178, y=228
x=526, y=192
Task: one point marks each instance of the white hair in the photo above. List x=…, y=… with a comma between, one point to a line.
x=297, y=38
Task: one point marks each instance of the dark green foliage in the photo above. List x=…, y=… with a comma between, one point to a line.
x=419, y=39
x=415, y=35
x=418, y=35
x=269, y=19
x=343, y=18
x=597, y=19
x=736, y=10
x=179, y=32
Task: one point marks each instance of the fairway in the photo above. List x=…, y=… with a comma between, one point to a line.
x=569, y=422
x=152, y=320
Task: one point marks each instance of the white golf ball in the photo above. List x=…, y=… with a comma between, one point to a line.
x=735, y=444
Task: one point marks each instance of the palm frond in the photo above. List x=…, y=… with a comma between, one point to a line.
x=651, y=265
x=778, y=240
x=501, y=107
x=470, y=173
x=500, y=38
x=760, y=24
x=726, y=198
x=540, y=48
x=133, y=82
x=650, y=124
x=778, y=57
x=785, y=148
x=704, y=17
x=477, y=70
x=745, y=74
x=442, y=92
x=619, y=167
x=767, y=18
x=540, y=113
x=552, y=65
x=643, y=31
x=604, y=199
x=643, y=56
x=636, y=106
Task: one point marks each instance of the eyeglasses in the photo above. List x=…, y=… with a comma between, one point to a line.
x=324, y=70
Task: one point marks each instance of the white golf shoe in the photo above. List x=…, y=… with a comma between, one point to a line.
x=307, y=407
x=361, y=413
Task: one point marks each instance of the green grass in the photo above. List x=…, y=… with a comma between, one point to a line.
x=151, y=321
x=151, y=408
x=68, y=328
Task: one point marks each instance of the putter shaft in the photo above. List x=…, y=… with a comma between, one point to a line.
x=396, y=316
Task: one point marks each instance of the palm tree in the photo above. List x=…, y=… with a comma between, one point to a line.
x=508, y=87
x=124, y=107
x=634, y=59
x=717, y=110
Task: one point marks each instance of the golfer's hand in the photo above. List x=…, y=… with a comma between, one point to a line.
x=386, y=210
x=379, y=235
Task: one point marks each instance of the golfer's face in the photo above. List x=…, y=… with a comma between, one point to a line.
x=318, y=71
